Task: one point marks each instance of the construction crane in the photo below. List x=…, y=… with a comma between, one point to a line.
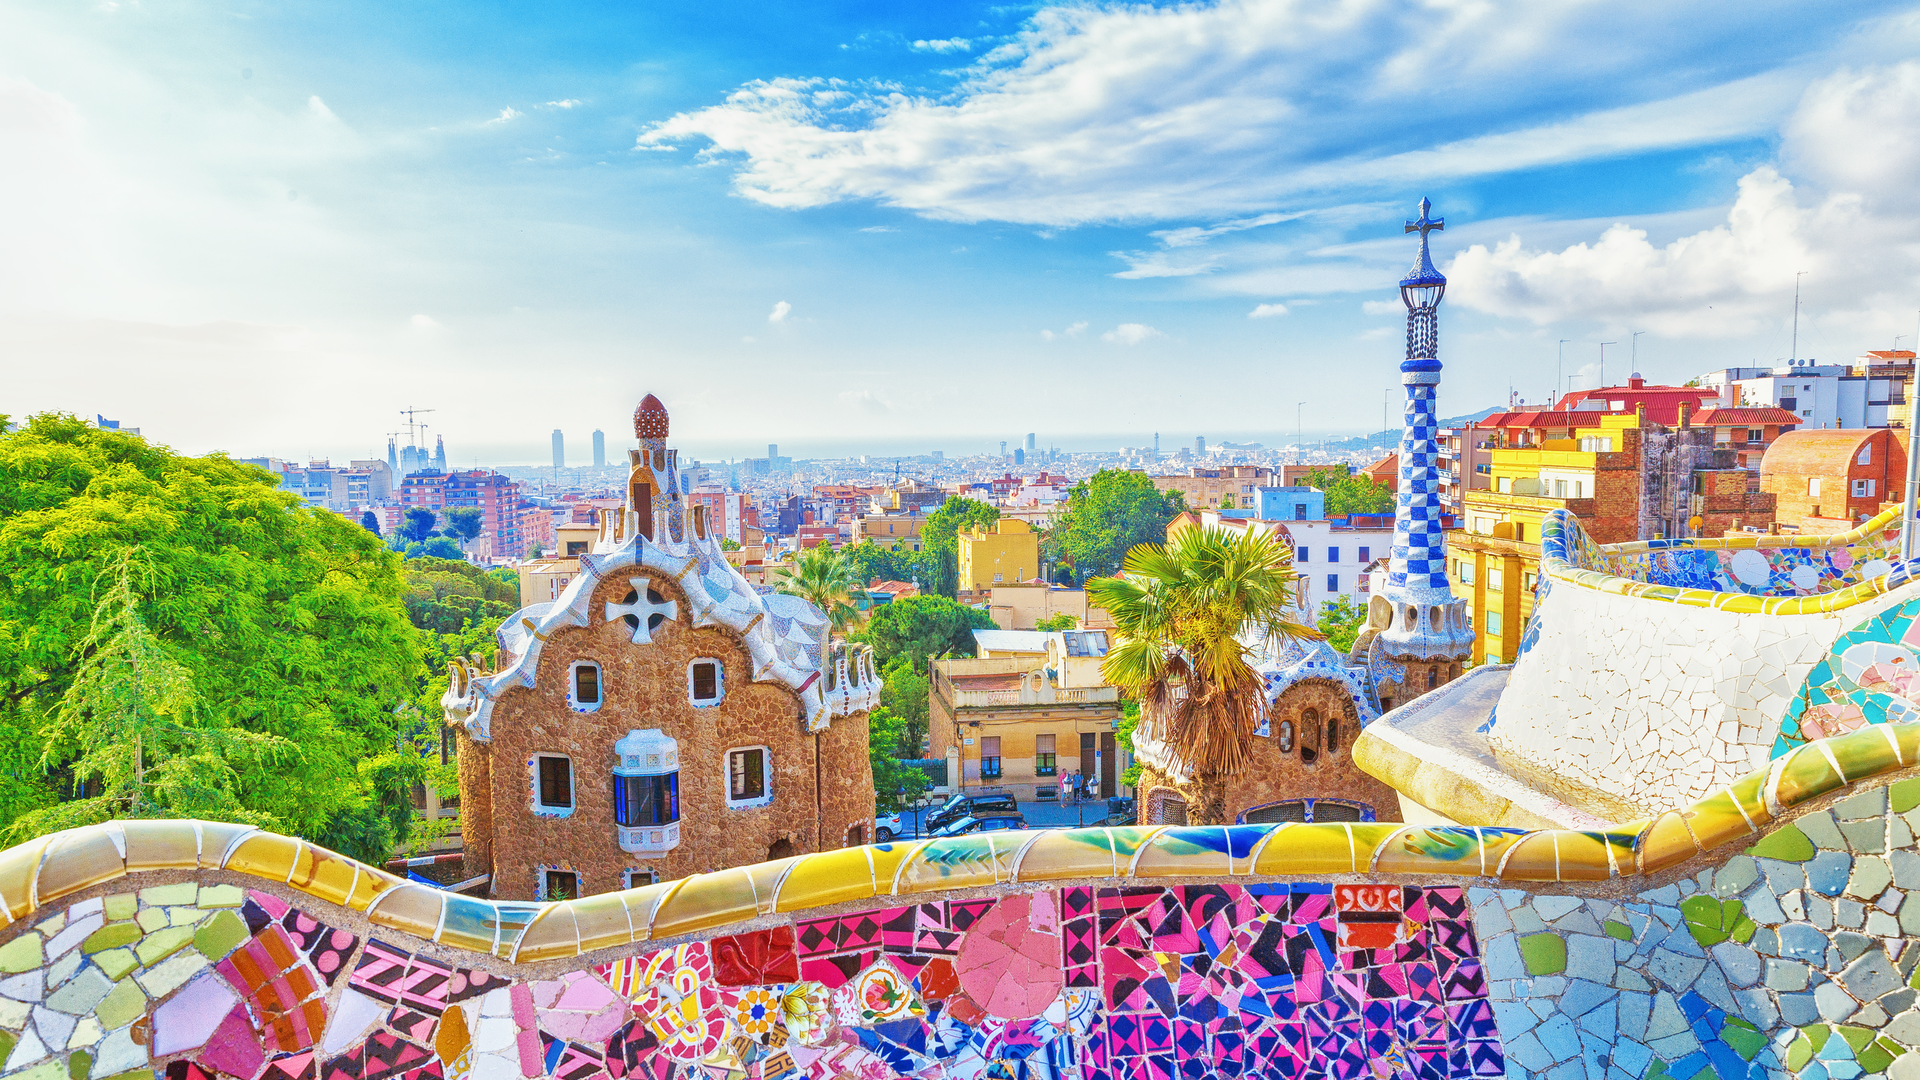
x=409, y=412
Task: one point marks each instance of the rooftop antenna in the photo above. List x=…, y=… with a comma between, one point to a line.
x=1796, y=313
x=1559, y=362
x=1603, y=363
x=1633, y=355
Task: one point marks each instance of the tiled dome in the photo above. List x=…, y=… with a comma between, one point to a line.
x=650, y=419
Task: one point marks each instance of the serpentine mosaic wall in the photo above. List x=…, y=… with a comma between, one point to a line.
x=1630, y=695
x=1340, y=952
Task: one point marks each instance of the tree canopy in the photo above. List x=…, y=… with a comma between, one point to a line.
x=1341, y=619
x=940, y=540
x=192, y=599
x=917, y=627
x=1351, y=493
x=465, y=523
x=444, y=594
x=824, y=578
x=1107, y=515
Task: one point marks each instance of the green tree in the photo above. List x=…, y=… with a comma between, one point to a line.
x=370, y=522
x=287, y=622
x=1106, y=516
x=416, y=525
x=824, y=578
x=1181, y=611
x=1341, y=620
x=443, y=595
x=904, y=693
x=917, y=627
x=1351, y=493
x=1123, y=730
x=940, y=540
x=465, y=522
x=1054, y=623
x=886, y=738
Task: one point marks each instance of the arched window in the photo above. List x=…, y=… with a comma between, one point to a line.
x=1309, y=735
x=1286, y=736
x=1333, y=734
x=646, y=792
x=584, y=689
x=1433, y=678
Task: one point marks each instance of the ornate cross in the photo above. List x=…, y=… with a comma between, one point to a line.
x=643, y=610
x=1426, y=224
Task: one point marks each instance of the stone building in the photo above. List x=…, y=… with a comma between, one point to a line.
x=661, y=717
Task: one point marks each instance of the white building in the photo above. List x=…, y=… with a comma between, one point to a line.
x=1329, y=556
x=1822, y=395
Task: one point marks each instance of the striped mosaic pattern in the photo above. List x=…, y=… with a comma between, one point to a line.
x=1744, y=574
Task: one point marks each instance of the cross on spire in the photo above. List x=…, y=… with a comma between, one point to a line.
x=1426, y=224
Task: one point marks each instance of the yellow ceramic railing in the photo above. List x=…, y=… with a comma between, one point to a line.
x=48, y=868
x=1567, y=555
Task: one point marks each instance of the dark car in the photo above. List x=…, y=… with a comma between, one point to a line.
x=961, y=806
x=989, y=823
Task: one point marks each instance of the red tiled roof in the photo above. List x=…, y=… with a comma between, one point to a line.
x=1545, y=419
x=1890, y=354
x=1746, y=417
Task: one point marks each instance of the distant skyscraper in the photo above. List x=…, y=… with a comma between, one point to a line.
x=1156, y=442
x=599, y=449
x=773, y=451
x=1199, y=444
x=1003, y=448
x=559, y=449
x=1029, y=442
x=393, y=456
x=440, y=452
x=1019, y=456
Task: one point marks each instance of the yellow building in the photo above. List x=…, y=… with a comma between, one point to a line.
x=1020, y=720
x=1005, y=553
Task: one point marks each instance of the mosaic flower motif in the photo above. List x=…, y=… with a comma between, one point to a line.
x=808, y=1012
x=757, y=1011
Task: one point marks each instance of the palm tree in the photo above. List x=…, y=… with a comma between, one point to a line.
x=1183, y=612
x=824, y=578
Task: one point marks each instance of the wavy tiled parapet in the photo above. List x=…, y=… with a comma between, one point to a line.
x=1568, y=555
x=44, y=870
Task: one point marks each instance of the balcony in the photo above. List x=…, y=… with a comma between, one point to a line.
x=1010, y=682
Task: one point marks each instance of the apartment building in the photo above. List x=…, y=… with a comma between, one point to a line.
x=1828, y=481
x=1872, y=392
x=1019, y=720
x=1208, y=486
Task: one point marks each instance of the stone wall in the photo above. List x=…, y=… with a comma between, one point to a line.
x=821, y=784
x=1687, y=946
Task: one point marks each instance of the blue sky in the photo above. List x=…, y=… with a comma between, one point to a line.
x=266, y=228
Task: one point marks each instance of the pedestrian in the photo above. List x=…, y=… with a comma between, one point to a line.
x=1066, y=786
x=1079, y=785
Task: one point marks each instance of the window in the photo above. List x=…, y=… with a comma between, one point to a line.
x=1044, y=761
x=1333, y=732
x=1755, y=434
x=553, y=784
x=1559, y=489
x=1286, y=736
x=1493, y=658
x=1862, y=489
x=1306, y=553
x=1466, y=572
x=748, y=775
x=1366, y=556
x=1577, y=492
x=1309, y=735
x=1333, y=554
x=1506, y=485
x=1530, y=582
x=1493, y=623
x=646, y=791
x=646, y=800
x=704, y=682
x=583, y=691
x=1866, y=456
x=1333, y=583
x=636, y=879
x=559, y=885
x=856, y=835
x=419, y=796
x=990, y=757
x=1813, y=487
x=576, y=547
x=1299, y=514
x=997, y=578
x=1496, y=579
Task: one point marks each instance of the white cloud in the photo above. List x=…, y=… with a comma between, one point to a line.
x=563, y=103
x=1382, y=307
x=1857, y=243
x=943, y=45
x=879, y=229
x=1159, y=264
x=780, y=312
x=1267, y=311
x=1203, y=110
x=1194, y=235
x=319, y=108
x=507, y=114
x=424, y=322
x=1073, y=331
x=1130, y=333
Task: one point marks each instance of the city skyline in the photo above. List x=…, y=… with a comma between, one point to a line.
x=608, y=204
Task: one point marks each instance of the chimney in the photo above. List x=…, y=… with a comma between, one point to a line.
x=1636, y=382
x=1686, y=414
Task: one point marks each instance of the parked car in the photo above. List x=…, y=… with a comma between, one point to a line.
x=965, y=805
x=886, y=827
x=989, y=823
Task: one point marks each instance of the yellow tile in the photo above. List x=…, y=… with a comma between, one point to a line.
x=552, y=936
x=766, y=886
x=1449, y=849
x=216, y=837
x=18, y=864
x=957, y=862
x=1193, y=851
x=76, y=860
x=1665, y=842
x=373, y=881
x=414, y=909
x=828, y=877
x=1535, y=857
x=1061, y=854
x=469, y=922
x=161, y=845
x=265, y=855
x=325, y=875
x=888, y=859
x=1715, y=820
x=603, y=922
x=706, y=901
x=1314, y=849
x=1806, y=774
x=1583, y=856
